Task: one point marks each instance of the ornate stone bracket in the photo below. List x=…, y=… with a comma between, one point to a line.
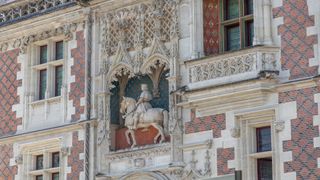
x=19, y=159
x=279, y=125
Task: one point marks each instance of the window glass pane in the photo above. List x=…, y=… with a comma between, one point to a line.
x=55, y=159
x=58, y=80
x=39, y=162
x=43, y=54
x=42, y=84
x=264, y=169
x=231, y=9
x=248, y=7
x=263, y=139
x=59, y=50
x=249, y=33
x=233, y=37
x=55, y=176
x=39, y=177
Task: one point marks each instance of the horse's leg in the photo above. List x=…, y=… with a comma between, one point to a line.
x=160, y=133
x=134, y=143
x=127, y=136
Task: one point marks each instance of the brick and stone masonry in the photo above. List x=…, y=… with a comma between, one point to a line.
x=304, y=154
x=77, y=88
x=296, y=47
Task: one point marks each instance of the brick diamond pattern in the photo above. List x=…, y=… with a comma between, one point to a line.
x=211, y=26
x=304, y=154
x=197, y=124
x=77, y=88
x=74, y=161
x=223, y=156
x=7, y=172
x=9, y=84
x=296, y=46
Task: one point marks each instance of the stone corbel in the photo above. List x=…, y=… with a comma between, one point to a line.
x=4, y=47
x=65, y=151
x=235, y=132
x=279, y=125
x=19, y=159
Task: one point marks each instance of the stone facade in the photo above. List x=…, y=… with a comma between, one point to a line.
x=206, y=107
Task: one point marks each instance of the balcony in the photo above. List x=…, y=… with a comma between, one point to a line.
x=232, y=67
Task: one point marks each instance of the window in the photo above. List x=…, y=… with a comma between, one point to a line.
x=264, y=168
x=55, y=159
x=39, y=162
x=39, y=177
x=236, y=24
x=58, y=80
x=263, y=141
x=55, y=176
x=257, y=143
x=263, y=138
x=48, y=66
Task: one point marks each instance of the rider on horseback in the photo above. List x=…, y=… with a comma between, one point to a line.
x=142, y=105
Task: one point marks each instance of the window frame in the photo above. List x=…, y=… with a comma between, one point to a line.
x=50, y=66
x=248, y=124
x=240, y=22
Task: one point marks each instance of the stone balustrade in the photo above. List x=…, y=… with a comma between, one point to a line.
x=232, y=67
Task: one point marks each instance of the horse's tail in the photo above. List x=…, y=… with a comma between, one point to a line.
x=165, y=121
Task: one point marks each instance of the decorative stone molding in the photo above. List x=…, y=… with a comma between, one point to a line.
x=279, y=125
x=19, y=159
x=233, y=66
x=139, y=152
x=235, y=132
x=65, y=151
x=191, y=171
x=23, y=42
x=224, y=67
x=29, y=9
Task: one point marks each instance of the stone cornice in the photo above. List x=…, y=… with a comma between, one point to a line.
x=24, y=136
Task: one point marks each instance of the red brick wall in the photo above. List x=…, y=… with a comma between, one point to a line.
x=74, y=162
x=197, y=124
x=77, y=90
x=9, y=84
x=211, y=26
x=7, y=172
x=296, y=46
x=304, y=154
x=223, y=156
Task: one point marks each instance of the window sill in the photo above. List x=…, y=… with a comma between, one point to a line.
x=51, y=100
x=261, y=154
x=52, y=63
x=42, y=171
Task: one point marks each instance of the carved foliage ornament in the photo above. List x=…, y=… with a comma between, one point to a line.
x=221, y=68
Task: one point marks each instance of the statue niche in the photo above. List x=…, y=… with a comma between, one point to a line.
x=144, y=116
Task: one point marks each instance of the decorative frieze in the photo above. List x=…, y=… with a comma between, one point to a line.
x=32, y=8
x=23, y=42
x=234, y=66
x=140, y=152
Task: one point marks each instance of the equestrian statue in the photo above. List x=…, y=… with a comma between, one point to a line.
x=141, y=115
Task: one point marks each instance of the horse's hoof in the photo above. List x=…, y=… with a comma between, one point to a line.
x=133, y=145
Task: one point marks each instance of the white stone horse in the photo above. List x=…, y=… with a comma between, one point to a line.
x=156, y=117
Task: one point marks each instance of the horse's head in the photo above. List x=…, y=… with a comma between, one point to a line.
x=126, y=103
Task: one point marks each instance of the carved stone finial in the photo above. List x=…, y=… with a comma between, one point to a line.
x=279, y=125
x=19, y=159
x=235, y=132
